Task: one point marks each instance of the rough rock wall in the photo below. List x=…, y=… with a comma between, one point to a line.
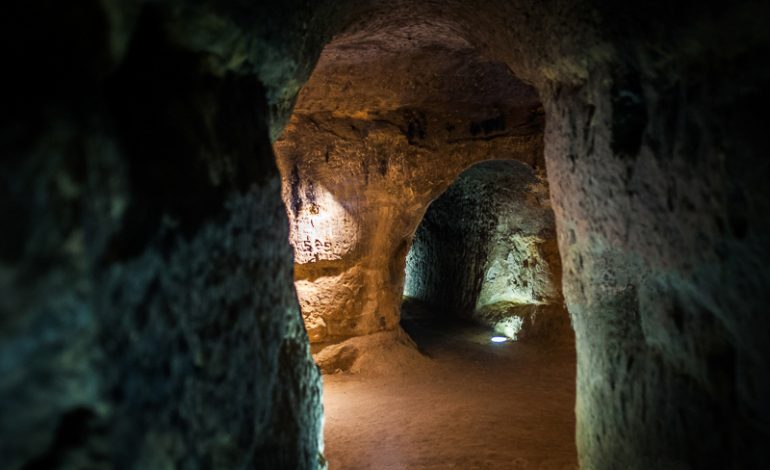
x=654, y=152
x=486, y=250
x=383, y=126
x=661, y=234
x=654, y=149
x=147, y=316
x=655, y=145
x=653, y=168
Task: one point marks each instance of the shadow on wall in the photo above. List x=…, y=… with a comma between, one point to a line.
x=147, y=316
x=486, y=251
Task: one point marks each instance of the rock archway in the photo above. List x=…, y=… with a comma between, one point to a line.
x=383, y=126
x=486, y=251
x=120, y=291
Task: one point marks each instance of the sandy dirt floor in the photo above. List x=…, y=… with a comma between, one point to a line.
x=475, y=405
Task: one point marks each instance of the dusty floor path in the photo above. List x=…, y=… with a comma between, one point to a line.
x=477, y=405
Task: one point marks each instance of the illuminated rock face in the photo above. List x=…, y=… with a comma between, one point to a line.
x=486, y=250
x=374, y=138
x=146, y=288
x=659, y=189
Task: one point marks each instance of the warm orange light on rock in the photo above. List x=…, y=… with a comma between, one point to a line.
x=321, y=229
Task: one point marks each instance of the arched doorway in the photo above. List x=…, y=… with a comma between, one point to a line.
x=486, y=251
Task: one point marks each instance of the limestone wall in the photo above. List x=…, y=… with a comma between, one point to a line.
x=147, y=315
x=380, y=130
x=486, y=250
x=145, y=275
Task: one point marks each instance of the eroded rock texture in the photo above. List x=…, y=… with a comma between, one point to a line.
x=654, y=159
x=147, y=316
x=383, y=126
x=486, y=250
x=120, y=239
x=653, y=151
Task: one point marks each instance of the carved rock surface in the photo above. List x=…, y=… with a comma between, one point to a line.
x=382, y=127
x=654, y=154
x=131, y=236
x=486, y=250
x=147, y=315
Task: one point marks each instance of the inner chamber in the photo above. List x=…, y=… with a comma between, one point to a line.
x=381, y=129
x=415, y=187
x=486, y=251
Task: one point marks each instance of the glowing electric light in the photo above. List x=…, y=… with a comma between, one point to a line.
x=498, y=339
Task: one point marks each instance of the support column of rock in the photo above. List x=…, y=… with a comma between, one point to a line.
x=148, y=315
x=657, y=247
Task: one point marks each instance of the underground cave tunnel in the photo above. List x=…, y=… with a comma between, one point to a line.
x=203, y=201
x=486, y=251
x=413, y=127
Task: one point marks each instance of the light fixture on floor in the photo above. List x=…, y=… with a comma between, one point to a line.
x=498, y=339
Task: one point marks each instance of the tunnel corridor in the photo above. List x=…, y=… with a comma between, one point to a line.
x=212, y=212
x=486, y=252
x=469, y=401
x=440, y=137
